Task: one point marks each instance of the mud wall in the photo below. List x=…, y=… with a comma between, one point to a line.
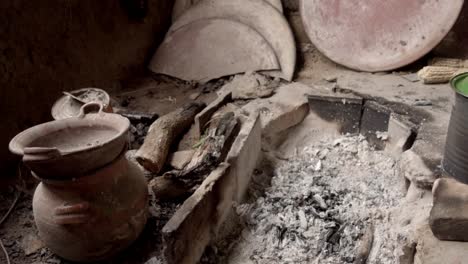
x=49, y=46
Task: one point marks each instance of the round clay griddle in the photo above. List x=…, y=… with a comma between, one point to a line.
x=258, y=15
x=207, y=49
x=377, y=35
x=180, y=6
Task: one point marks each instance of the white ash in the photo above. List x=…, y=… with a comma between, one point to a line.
x=320, y=203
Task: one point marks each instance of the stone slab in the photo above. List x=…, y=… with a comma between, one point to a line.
x=243, y=157
x=190, y=230
x=287, y=108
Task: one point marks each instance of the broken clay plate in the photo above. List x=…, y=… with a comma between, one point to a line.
x=257, y=14
x=373, y=36
x=212, y=48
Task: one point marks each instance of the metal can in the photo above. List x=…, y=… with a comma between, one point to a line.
x=455, y=161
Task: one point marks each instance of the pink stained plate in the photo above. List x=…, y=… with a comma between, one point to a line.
x=378, y=35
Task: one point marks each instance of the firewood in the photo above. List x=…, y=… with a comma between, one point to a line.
x=208, y=156
x=166, y=188
x=365, y=245
x=153, y=153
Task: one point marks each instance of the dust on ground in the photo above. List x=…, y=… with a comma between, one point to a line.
x=318, y=206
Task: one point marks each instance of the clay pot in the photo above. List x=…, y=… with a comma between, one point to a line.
x=95, y=216
x=74, y=146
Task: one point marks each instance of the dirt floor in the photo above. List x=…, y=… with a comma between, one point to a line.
x=161, y=95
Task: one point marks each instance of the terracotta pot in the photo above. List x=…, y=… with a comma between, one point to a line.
x=74, y=146
x=95, y=216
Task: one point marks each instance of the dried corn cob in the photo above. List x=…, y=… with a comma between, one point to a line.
x=460, y=71
x=448, y=62
x=438, y=74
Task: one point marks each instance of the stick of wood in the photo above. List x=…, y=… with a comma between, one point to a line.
x=153, y=153
x=365, y=246
x=221, y=134
x=208, y=156
x=167, y=188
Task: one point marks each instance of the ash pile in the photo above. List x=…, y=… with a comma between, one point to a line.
x=331, y=203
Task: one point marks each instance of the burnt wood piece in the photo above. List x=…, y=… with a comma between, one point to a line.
x=153, y=153
x=365, y=245
x=208, y=156
x=166, y=188
x=136, y=118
